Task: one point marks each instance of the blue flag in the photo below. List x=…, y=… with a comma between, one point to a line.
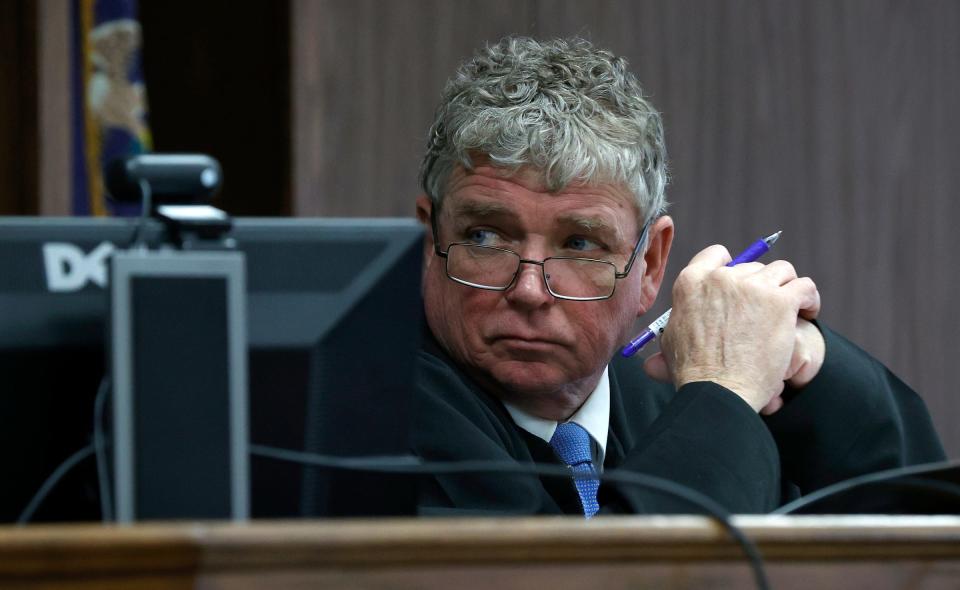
x=109, y=99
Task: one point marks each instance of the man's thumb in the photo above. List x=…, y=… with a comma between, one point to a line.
x=656, y=367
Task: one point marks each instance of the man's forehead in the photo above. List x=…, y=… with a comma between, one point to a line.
x=484, y=176
x=488, y=191
x=528, y=176
x=484, y=171
x=588, y=216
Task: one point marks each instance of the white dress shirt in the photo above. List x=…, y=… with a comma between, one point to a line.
x=593, y=416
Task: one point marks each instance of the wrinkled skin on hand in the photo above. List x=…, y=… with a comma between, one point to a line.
x=745, y=327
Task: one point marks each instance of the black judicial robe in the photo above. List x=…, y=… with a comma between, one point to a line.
x=854, y=418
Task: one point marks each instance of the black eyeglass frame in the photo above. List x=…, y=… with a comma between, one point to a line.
x=616, y=274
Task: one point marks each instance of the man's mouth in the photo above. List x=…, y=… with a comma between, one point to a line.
x=525, y=342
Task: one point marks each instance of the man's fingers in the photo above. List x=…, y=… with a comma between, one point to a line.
x=745, y=268
x=800, y=356
x=778, y=272
x=655, y=366
x=782, y=274
x=736, y=326
x=812, y=310
x=806, y=295
x=809, y=352
x=711, y=257
x=772, y=406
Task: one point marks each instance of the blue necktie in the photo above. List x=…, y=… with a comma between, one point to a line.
x=572, y=444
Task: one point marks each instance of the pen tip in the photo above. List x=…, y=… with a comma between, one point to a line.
x=772, y=238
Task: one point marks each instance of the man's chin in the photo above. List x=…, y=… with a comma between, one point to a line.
x=534, y=378
x=539, y=389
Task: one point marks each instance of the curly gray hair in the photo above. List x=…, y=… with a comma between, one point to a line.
x=564, y=107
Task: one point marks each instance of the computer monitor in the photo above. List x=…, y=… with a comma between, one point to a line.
x=334, y=322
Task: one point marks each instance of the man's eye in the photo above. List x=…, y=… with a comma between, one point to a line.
x=582, y=244
x=485, y=237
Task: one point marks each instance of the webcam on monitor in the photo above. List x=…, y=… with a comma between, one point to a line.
x=176, y=189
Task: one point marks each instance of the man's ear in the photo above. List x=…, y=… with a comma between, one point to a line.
x=655, y=259
x=424, y=208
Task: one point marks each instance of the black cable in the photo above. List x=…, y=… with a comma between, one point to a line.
x=408, y=464
x=940, y=488
x=51, y=481
x=146, y=208
x=913, y=472
x=97, y=447
x=100, y=447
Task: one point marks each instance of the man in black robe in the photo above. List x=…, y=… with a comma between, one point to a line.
x=544, y=189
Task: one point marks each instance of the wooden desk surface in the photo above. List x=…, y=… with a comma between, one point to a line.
x=607, y=552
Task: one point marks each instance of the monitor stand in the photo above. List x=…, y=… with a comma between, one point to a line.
x=179, y=374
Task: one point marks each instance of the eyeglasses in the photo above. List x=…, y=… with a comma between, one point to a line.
x=566, y=277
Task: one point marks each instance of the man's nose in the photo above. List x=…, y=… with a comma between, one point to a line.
x=529, y=290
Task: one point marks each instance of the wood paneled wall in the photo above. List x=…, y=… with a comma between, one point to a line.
x=54, y=107
x=834, y=121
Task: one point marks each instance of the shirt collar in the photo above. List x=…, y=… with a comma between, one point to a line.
x=593, y=415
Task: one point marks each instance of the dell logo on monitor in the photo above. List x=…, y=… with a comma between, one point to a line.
x=69, y=269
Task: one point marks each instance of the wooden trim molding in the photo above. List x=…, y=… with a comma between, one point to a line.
x=414, y=552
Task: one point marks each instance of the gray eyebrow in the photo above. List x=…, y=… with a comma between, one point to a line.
x=481, y=209
x=585, y=222
x=591, y=223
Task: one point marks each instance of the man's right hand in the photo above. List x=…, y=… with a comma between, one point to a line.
x=738, y=327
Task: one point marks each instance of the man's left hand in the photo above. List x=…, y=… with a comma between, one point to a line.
x=809, y=351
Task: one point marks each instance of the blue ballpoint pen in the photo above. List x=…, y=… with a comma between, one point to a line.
x=752, y=253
